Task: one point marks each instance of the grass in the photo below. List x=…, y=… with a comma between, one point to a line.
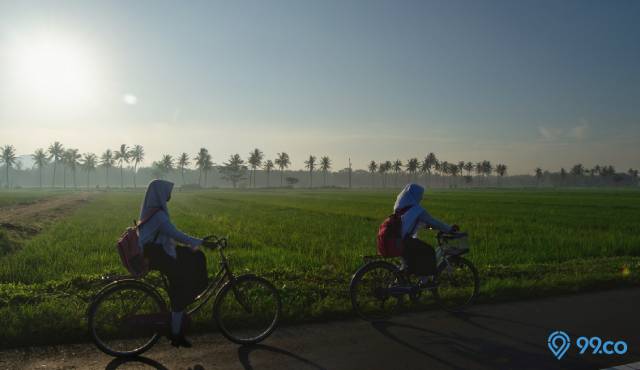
x=525, y=243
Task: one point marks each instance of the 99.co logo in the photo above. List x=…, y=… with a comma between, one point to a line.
x=559, y=343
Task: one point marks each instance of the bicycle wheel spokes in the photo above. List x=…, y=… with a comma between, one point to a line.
x=370, y=295
x=458, y=284
x=123, y=320
x=247, y=309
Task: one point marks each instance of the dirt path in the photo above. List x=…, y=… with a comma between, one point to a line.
x=501, y=336
x=24, y=221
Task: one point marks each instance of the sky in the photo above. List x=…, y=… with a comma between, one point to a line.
x=528, y=84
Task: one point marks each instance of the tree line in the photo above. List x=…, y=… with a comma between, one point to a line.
x=236, y=169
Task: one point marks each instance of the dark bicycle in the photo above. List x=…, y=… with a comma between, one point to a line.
x=378, y=288
x=121, y=316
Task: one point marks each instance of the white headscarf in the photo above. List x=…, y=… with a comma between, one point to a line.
x=158, y=193
x=411, y=196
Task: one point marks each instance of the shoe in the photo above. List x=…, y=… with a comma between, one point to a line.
x=179, y=341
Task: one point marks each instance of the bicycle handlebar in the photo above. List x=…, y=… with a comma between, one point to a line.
x=214, y=242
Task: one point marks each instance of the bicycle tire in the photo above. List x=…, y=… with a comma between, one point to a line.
x=387, y=274
x=441, y=277
x=236, y=298
x=99, y=300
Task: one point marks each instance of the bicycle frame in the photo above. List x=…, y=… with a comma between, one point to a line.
x=222, y=276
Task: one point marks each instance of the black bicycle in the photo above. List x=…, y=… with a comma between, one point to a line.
x=128, y=316
x=378, y=288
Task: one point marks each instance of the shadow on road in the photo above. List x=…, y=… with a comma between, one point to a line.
x=465, y=351
x=244, y=353
x=117, y=362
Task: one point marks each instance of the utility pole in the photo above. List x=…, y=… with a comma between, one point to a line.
x=349, y=172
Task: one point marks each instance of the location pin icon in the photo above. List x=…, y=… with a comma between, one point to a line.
x=558, y=343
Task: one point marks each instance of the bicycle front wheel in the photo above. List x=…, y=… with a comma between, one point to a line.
x=121, y=318
x=247, y=309
x=458, y=284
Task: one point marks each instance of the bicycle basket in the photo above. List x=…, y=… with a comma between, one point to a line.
x=456, y=245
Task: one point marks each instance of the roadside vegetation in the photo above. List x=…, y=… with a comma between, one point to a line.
x=526, y=243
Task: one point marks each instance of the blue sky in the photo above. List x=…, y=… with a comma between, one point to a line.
x=540, y=83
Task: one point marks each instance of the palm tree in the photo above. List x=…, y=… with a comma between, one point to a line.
x=501, y=169
x=282, y=161
x=183, y=162
x=40, y=160
x=468, y=167
x=412, y=167
x=201, y=158
x=8, y=157
x=233, y=170
x=397, y=168
x=89, y=163
x=268, y=166
x=107, y=161
x=255, y=160
x=136, y=155
x=428, y=163
x=71, y=159
x=538, y=175
x=325, y=166
x=207, y=165
x=166, y=164
x=56, y=150
x=122, y=157
x=311, y=165
x=372, y=169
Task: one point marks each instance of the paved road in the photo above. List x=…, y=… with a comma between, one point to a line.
x=501, y=336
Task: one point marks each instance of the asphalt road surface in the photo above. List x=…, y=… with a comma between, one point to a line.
x=500, y=336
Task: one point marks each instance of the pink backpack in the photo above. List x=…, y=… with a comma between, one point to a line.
x=130, y=252
x=389, y=240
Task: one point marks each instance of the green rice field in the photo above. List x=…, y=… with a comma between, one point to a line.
x=525, y=243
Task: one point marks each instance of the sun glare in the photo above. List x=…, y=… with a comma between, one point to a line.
x=53, y=72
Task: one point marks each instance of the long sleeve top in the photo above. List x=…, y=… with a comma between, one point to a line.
x=167, y=234
x=424, y=219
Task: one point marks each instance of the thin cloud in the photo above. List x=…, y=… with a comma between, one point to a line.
x=576, y=133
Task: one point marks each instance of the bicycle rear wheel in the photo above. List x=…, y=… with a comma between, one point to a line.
x=121, y=318
x=369, y=290
x=457, y=283
x=247, y=309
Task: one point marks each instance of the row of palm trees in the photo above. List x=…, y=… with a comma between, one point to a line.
x=71, y=160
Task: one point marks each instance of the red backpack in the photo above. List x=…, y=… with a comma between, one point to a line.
x=129, y=250
x=389, y=235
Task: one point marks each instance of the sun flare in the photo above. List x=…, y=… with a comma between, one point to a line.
x=54, y=72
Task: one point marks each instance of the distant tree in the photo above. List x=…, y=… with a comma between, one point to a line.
x=201, y=159
x=183, y=161
x=454, y=170
x=137, y=156
x=40, y=160
x=56, y=150
x=577, y=170
x=387, y=167
x=397, y=168
x=428, y=164
x=634, y=175
x=501, y=170
x=291, y=181
x=373, y=167
x=412, y=168
x=107, y=162
x=233, y=170
x=607, y=171
x=255, y=161
x=563, y=175
x=8, y=157
x=325, y=166
x=166, y=164
x=268, y=166
x=89, y=163
x=122, y=157
x=468, y=167
x=282, y=161
x=72, y=160
x=207, y=167
x=310, y=164
x=595, y=170
x=538, y=175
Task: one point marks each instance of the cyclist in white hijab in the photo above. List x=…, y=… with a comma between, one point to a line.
x=418, y=255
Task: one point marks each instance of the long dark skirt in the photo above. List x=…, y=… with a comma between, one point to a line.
x=420, y=257
x=187, y=273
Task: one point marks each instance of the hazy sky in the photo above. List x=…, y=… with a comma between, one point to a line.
x=525, y=83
